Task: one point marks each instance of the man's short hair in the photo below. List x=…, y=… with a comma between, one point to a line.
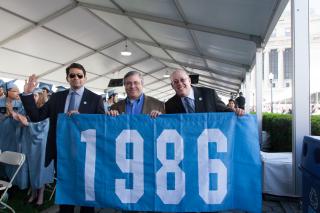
x=131, y=73
x=75, y=65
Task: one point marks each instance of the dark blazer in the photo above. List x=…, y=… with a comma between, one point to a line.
x=206, y=100
x=149, y=104
x=91, y=103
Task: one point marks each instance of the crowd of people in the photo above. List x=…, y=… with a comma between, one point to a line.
x=21, y=135
x=239, y=102
x=28, y=120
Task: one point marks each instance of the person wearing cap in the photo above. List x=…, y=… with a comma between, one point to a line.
x=77, y=99
x=60, y=88
x=37, y=137
x=13, y=121
x=136, y=102
x=11, y=101
x=2, y=95
x=46, y=89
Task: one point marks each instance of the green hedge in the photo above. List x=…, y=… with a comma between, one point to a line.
x=279, y=126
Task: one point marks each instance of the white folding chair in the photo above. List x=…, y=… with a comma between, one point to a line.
x=53, y=189
x=10, y=158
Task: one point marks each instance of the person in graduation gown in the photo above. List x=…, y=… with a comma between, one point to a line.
x=13, y=127
x=2, y=95
x=39, y=174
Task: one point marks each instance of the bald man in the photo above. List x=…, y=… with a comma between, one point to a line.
x=190, y=99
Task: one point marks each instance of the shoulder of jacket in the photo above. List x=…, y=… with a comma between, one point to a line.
x=118, y=104
x=152, y=99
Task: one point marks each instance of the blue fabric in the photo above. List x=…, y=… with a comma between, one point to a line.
x=9, y=85
x=72, y=102
x=47, y=86
x=36, y=138
x=10, y=128
x=189, y=105
x=134, y=108
x=12, y=139
x=96, y=138
x=1, y=83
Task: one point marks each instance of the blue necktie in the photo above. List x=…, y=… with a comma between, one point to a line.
x=72, y=102
x=189, y=105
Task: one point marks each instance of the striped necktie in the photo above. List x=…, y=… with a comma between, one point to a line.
x=72, y=102
x=189, y=104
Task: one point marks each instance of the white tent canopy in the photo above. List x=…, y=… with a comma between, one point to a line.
x=216, y=39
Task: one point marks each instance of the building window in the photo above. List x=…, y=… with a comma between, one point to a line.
x=287, y=63
x=287, y=84
x=273, y=63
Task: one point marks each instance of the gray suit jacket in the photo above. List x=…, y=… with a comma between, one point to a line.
x=148, y=105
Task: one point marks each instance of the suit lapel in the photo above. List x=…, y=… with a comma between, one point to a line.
x=63, y=99
x=122, y=106
x=145, y=105
x=179, y=105
x=198, y=100
x=84, y=101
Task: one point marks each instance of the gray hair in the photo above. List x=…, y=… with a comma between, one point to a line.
x=131, y=73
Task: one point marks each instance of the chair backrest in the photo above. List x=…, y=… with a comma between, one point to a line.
x=12, y=158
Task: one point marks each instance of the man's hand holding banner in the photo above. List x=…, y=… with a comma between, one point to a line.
x=179, y=163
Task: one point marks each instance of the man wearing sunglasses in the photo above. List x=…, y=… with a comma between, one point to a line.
x=77, y=99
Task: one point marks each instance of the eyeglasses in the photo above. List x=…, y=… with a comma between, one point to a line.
x=135, y=83
x=73, y=75
x=182, y=80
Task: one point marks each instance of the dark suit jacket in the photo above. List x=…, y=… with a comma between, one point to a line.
x=206, y=100
x=91, y=103
x=149, y=104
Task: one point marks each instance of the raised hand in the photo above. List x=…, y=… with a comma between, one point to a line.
x=30, y=84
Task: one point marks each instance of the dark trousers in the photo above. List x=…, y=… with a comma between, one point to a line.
x=70, y=209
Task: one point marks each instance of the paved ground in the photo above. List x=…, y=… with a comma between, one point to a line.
x=270, y=204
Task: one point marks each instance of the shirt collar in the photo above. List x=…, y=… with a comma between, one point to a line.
x=191, y=94
x=78, y=91
x=128, y=101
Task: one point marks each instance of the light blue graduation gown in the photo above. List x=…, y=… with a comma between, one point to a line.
x=12, y=139
x=36, y=148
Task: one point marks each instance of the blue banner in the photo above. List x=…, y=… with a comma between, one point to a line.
x=174, y=163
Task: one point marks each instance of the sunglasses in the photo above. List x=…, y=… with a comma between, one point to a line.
x=72, y=75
